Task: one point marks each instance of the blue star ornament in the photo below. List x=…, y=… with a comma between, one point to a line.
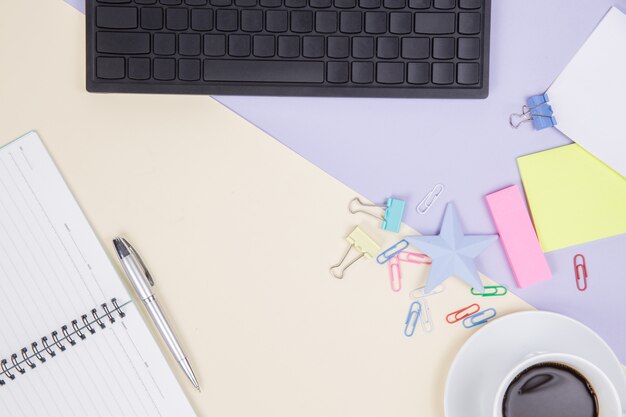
x=452, y=252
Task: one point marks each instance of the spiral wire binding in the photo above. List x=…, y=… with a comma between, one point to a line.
x=19, y=364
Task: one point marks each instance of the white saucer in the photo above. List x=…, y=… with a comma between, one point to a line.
x=505, y=341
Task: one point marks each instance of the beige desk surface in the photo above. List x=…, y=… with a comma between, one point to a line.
x=239, y=233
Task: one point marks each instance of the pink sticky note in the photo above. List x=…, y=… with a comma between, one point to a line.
x=518, y=237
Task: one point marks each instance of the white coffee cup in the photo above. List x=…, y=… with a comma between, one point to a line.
x=608, y=400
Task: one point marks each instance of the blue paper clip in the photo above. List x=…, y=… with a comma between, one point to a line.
x=479, y=318
x=391, y=220
x=412, y=318
x=392, y=251
x=536, y=110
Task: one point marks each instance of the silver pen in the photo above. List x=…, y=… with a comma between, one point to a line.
x=142, y=281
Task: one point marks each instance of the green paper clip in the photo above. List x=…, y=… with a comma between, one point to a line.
x=491, y=291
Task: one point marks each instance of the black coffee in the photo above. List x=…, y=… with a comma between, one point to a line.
x=550, y=390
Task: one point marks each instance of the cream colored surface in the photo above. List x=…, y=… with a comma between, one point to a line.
x=239, y=232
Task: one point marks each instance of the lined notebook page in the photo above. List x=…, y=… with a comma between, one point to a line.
x=53, y=270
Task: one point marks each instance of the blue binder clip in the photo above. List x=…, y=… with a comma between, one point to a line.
x=392, y=219
x=536, y=110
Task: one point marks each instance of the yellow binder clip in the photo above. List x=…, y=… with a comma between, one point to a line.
x=362, y=243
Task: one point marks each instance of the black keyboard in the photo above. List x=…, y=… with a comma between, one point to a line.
x=354, y=48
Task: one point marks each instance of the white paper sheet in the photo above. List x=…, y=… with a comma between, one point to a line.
x=588, y=96
x=52, y=271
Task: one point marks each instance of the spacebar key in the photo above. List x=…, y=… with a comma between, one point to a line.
x=263, y=71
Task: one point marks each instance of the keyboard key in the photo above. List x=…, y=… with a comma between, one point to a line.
x=313, y=47
x=252, y=20
x=263, y=46
x=171, y=2
x=164, y=69
x=295, y=3
x=114, y=1
x=239, y=45
x=387, y=47
x=271, y=3
x=189, y=70
x=226, y=20
x=195, y=2
x=320, y=4
x=137, y=1
x=326, y=22
x=419, y=4
x=362, y=72
x=418, y=73
x=151, y=18
x=469, y=23
x=139, y=68
x=415, y=48
x=470, y=4
x=263, y=71
x=376, y=22
x=176, y=19
x=116, y=17
x=443, y=73
x=434, y=23
x=189, y=44
x=123, y=43
x=201, y=19
x=220, y=3
x=444, y=4
x=276, y=21
x=390, y=72
x=337, y=72
x=369, y=4
x=164, y=43
x=363, y=47
x=394, y=4
x=350, y=22
x=443, y=48
x=214, y=45
x=400, y=22
x=338, y=46
x=301, y=21
x=469, y=48
x=468, y=73
x=110, y=68
x=245, y=3
x=288, y=46
x=345, y=4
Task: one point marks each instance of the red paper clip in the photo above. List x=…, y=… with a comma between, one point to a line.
x=462, y=313
x=580, y=269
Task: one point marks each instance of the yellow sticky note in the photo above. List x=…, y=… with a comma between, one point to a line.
x=574, y=198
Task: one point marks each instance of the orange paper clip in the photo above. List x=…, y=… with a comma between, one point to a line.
x=580, y=268
x=462, y=313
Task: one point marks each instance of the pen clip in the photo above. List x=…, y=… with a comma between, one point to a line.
x=138, y=258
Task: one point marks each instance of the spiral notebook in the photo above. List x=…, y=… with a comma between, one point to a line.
x=72, y=342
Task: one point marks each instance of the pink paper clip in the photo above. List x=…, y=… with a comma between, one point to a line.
x=580, y=269
x=414, y=258
x=462, y=313
x=395, y=274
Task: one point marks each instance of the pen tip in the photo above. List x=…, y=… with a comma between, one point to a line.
x=120, y=247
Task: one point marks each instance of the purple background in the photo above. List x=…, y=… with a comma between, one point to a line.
x=385, y=147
